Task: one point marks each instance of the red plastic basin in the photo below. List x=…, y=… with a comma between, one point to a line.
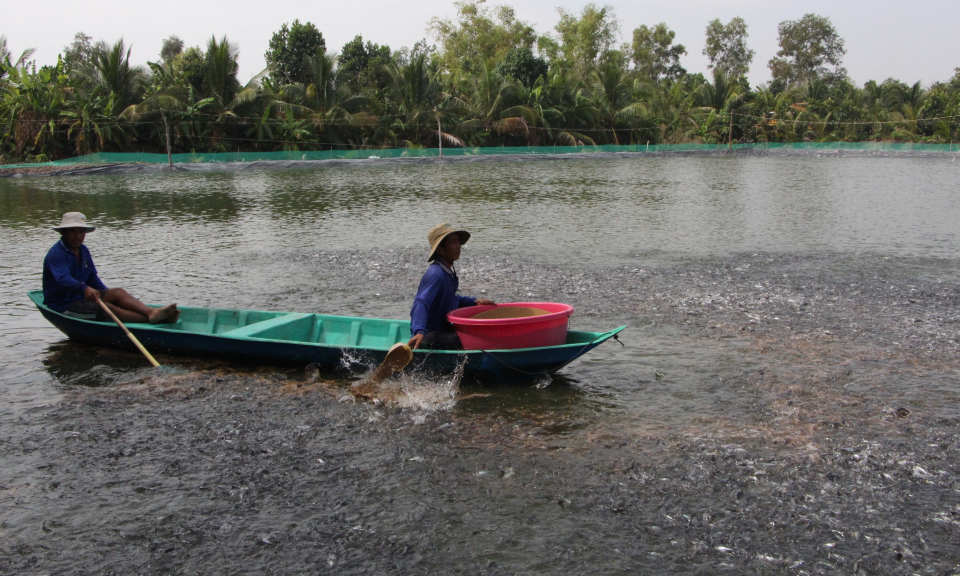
x=508, y=333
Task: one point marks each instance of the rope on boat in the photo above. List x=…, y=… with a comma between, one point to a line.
x=560, y=367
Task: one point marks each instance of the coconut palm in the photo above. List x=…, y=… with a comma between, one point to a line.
x=723, y=95
x=569, y=110
x=816, y=89
x=169, y=94
x=671, y=108
x=111, y=71
x=220, y=72
x=492, y=104
x=616, y=97
x=412, y=99
x=6, y=56
x=765, y=110
x=330, y=109
x=899, y=95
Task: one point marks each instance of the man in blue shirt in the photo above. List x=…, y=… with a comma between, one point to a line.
x=437, y=295
x=71, y=284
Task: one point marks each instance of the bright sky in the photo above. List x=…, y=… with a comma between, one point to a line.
x=908, y=41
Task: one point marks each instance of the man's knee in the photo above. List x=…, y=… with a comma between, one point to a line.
x=114, y=294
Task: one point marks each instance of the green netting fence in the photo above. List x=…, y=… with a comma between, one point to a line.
x=355, y=154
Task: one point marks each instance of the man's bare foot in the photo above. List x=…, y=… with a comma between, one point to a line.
x=168, y=313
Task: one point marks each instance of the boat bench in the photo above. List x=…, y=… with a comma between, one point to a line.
x=254, y=330
x=315, y=329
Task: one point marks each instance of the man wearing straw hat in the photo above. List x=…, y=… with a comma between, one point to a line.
x=437, y=295
x=71, y=284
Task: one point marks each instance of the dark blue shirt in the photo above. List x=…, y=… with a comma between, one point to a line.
x=65, y=278
x=436, y=297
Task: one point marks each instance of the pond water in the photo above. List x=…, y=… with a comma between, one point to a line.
x=781, y=312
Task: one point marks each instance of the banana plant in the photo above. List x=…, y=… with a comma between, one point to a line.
x=293, y=132
x=30, y=108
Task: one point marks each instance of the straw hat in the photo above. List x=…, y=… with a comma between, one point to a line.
x=74, y=220
x=436, y=235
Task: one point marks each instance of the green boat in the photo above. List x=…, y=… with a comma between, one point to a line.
x=331, y=342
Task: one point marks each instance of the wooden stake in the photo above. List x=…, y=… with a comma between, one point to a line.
x=439, y=132
x=167, y=127
x=731, y=132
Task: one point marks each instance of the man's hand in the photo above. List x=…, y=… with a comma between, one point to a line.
x=91, y=294
x=416, y=341
x=485, y=302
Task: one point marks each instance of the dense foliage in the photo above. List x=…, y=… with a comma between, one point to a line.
x=490, y=80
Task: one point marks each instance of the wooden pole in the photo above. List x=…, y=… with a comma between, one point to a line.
x=129, y=334
x=731, y=132
x=439, y=132
x=167, y=127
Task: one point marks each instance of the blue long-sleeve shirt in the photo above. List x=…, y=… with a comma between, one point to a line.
x=436, y=297
x=65, y=278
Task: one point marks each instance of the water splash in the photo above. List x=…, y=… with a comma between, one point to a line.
x=419, y=391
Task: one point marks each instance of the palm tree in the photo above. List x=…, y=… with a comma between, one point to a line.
x=331, y=109
x=412, y=98
x=765, y=109
x=899, y=95
x=908, y=104
x=220, y=72
x=616, y=97
x=671, y=109
x=6, y=55
x=110, y=69
x=492, y=104
x=572, y=110
x=724, y=96
x=817, y=90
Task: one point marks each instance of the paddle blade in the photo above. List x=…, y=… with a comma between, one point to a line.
x=397, y=358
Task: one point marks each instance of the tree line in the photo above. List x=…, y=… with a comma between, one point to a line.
x=488, y=79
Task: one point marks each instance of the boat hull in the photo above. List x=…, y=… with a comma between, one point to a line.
x=268, y=337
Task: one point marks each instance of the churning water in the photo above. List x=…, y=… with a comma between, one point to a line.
x=786, y=399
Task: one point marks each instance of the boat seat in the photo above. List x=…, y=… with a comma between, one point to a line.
x=252, y=330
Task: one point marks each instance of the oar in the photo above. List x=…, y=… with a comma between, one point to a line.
x=129, y=334
x=397, y=358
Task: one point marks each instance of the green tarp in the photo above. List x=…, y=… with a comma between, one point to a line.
x=139, y=157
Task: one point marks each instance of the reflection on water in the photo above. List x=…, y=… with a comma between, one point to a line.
x=117, y=204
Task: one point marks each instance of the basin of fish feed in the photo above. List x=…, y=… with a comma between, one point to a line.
x=512, y=325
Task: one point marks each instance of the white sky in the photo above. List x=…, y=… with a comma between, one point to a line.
x=909, y=41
